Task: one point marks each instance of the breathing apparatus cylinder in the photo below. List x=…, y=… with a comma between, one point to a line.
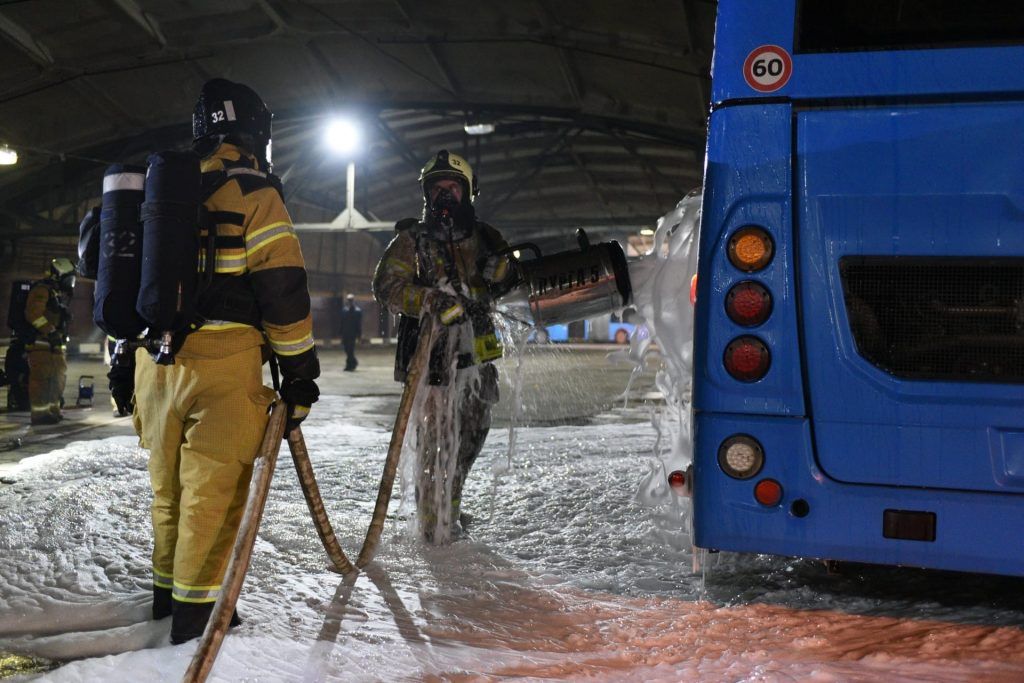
x=574, y=285
x=120, y=253
x=170, y=220
x=89, y=244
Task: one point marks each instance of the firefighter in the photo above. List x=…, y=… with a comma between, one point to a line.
x=444, y=265
x=46, y=309
x=203, y=416
x=351, y=330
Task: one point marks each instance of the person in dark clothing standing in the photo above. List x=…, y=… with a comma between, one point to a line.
x=351, y=330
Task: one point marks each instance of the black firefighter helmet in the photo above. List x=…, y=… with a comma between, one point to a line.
x=233, y=112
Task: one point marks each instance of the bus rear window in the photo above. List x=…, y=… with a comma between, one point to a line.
x=860, y=25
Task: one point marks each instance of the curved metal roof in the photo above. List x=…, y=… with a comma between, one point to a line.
x=598, y=106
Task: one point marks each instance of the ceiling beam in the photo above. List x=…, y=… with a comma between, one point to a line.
x=566, y=65
x=25, y=42
x=703, y=84
x=528, y=172
x=143, y=20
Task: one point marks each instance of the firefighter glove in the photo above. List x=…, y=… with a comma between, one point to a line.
x=495, y=268
x=446, y=307
x=55, y=340
x=299, y=394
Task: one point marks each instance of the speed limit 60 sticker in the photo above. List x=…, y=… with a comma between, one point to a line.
x=767, y=68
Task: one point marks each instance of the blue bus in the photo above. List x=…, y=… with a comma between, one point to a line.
x=859, y=345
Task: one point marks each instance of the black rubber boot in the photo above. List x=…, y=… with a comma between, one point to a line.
x=189, y=620
x=161, y=602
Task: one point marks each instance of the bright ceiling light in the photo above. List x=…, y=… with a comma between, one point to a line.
x=647, y=232
x=8, y=157
x=342, y=136
x=478, y=128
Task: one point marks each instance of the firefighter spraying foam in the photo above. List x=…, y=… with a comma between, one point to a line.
x=444, y=266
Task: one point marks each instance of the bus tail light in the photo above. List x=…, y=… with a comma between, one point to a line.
x=748, y=304
x=693, y=289
x=768, y=492
x=751, y=248
x=741, y=456
x=747, y=359
x=681, y=481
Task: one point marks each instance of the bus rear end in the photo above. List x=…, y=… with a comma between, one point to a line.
x=859, y=349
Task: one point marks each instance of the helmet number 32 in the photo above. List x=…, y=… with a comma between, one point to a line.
x=767, y=68
x=217, y=117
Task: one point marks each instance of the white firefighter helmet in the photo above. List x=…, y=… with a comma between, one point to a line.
x=446, y=164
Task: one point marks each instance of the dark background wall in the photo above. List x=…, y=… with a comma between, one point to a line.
x=338, y=263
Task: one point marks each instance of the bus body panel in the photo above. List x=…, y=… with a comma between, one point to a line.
x=860, y=159
x=973, y=531
x=909, y=181
x=745, y=25
x=747, y=147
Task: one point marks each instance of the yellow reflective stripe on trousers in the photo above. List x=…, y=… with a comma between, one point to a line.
x=195, y=593
x=292, y=347
x=162, y=580
x=40, y=322
x=265, y=235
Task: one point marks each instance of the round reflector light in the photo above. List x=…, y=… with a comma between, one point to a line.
x=741, y=456
x=768, y=492
x=747, y=359
x=748, y=304
x=751, y=248
x=677, y=480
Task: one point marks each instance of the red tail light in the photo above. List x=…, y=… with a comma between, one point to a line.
x=747, y=359
x=768, y=492
x=679, y=481
x=748, y=304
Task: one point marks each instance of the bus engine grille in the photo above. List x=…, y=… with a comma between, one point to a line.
x=938, y=318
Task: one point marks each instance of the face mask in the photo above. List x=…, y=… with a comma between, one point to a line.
x=443, y=208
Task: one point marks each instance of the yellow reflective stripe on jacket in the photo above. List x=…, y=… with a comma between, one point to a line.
x=184, y=593
x=40, y=322
x=258, y=239
x=292, y=347
x=217, y=325
x=395, y=264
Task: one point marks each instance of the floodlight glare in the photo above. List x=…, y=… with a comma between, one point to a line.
x=647, y=232
x=478, y=128
x=342, y=136
x=8, y=157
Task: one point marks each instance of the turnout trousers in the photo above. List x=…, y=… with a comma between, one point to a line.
x=202, y=420
x=47, y=376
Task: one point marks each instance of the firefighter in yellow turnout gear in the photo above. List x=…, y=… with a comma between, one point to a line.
x=47, y=310
x=444, y=265
x=203, y=416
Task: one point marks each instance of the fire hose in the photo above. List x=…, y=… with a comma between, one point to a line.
x=263, y=471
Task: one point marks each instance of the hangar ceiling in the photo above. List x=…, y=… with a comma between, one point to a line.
x=599, y=107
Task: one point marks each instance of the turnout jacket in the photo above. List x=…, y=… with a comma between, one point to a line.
x=46, y=309
x=264, y=251
x=415, y=262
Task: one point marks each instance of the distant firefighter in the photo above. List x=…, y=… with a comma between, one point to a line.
x=46, y=310
x=351, y=330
